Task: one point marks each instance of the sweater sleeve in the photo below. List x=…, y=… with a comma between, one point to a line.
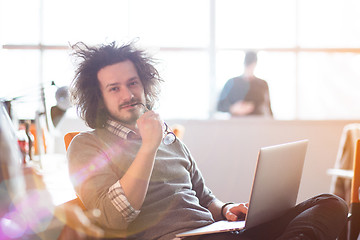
x=94, y=180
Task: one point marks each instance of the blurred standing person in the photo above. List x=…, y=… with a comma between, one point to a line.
x=246, y=94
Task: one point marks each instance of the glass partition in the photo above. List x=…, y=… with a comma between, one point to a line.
x=308, y=50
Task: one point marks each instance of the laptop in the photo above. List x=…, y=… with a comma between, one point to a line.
x=274, y=191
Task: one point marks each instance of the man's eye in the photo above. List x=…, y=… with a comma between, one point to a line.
x=133, y=83
x=114, y=89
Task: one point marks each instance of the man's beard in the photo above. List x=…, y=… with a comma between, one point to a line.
x=132, y=115
x=131, y=120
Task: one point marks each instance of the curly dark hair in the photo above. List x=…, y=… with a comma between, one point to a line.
x=85, y=89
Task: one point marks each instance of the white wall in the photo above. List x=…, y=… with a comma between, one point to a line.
x=226, y=150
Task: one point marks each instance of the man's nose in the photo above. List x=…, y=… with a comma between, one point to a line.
x=126, y=94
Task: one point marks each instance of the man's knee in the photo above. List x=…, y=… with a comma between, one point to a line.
x=333, y=206
x=334, y=200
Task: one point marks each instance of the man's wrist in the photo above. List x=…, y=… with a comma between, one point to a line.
x=223, y=207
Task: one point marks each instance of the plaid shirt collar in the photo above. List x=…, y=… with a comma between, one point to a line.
x=120, y=130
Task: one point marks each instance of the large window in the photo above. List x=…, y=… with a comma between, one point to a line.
x=309, y=51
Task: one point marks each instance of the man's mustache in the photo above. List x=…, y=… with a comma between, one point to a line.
x=131, y=103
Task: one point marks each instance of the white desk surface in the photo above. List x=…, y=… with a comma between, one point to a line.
x=54, y=170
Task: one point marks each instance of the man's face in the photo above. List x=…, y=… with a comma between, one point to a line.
x=122, y=90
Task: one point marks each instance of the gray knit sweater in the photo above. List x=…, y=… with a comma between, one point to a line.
x=176, y=200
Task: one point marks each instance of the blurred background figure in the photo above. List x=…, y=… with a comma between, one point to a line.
x=246, y=94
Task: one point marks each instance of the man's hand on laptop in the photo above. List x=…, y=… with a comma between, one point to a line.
x=236, y=211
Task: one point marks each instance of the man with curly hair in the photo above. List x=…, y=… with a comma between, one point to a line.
x=148, y=189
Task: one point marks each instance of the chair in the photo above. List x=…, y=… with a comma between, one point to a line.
x=68, y=138
x=346, y=178
x=354, y=221
x=343, y=169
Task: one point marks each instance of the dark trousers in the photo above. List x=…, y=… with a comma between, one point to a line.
x=322, y=217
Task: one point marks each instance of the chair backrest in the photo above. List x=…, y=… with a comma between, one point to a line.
x=68, y=138
x=356, y=178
